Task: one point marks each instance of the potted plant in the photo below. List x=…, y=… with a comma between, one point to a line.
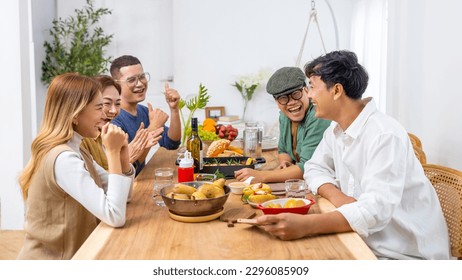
x=77, y=44
x=197, y=102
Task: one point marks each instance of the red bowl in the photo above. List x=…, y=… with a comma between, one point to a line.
x=297, y=210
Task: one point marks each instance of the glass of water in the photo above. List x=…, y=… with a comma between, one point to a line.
x=163, y=178
x=296, y=188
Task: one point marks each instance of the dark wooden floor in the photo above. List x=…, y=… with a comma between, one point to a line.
x=10, y=243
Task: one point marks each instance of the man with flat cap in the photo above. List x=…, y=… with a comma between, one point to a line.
x=300, y=130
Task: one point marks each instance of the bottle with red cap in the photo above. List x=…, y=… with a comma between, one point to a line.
x=186, y=168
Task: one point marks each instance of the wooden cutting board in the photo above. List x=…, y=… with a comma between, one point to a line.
x=231, y=215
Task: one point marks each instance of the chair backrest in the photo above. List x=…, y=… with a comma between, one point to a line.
x=420, y=154
x=448, y=185
x=415, y=140
x=418, y=150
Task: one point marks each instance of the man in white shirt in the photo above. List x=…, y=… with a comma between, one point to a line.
x=365, y=166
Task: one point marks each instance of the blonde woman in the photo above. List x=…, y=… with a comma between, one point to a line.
x=66, y=192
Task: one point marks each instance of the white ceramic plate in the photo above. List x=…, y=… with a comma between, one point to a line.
x=254, y=205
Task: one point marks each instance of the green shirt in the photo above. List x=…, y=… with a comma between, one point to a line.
x=309, y=133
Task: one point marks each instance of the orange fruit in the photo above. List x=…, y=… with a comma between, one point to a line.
x=209, y=128
x=209, y=121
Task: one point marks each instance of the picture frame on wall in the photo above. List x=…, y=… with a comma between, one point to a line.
x=214, y=112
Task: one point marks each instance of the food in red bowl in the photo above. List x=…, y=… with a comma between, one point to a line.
x=286, y=205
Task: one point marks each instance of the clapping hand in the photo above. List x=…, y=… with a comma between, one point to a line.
x=144, y=139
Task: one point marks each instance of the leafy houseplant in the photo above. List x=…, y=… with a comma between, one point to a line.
x=197, y=102
x=77, y=45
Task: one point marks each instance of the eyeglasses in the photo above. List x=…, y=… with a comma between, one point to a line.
x=295, y=95
x=133, y=80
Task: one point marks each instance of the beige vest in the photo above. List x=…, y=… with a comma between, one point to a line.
x=56, y=224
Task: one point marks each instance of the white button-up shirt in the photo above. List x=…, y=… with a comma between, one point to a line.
x=397, y=211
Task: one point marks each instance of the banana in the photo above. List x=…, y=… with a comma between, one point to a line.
x=198, y=195
x=183, y=189
x=179, y=196
x=211, y=191
x=220, y=182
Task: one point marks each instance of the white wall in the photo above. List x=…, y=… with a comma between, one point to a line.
x=215, y=41
x=425, y=64
x=16, y=109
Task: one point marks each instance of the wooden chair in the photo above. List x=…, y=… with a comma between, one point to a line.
x=418, y=150
x=448, y=185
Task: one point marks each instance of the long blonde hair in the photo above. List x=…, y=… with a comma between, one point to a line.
x=67, y=95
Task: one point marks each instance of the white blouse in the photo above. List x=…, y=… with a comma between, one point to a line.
x=74, y=179
x=397, y=211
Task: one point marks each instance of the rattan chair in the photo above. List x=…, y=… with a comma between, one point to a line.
x=415, y=140
x=420, y=154
x=448, y=185
x=418, y=150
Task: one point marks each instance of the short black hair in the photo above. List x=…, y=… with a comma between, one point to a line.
x=122, y=61
x=340, y=67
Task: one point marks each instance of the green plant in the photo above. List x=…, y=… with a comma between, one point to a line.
x=197, y=102
x=77, y=45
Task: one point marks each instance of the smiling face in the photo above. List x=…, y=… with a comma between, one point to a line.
x=296, y=110
x=111, y=103
x=321, y=98
x=132, y=93
x=91, y=118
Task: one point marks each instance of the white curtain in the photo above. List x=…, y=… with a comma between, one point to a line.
x=369, y=42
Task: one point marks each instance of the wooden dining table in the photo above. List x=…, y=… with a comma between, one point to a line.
x=150, y=233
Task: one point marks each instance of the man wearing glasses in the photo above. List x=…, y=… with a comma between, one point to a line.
x=128, y=72
x=300, y=131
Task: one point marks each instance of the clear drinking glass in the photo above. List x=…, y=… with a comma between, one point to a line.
x=163, y=178
x=253, y=136
x=296, y=188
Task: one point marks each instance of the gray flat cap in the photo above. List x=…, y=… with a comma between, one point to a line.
x=285, y=81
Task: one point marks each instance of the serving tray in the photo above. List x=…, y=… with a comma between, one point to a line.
x=227, y=165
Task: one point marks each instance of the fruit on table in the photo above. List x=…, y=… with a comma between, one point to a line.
x=291, y=203
x=211, y=190
x=273, y=205
x=179, y=196
x=227, y=132
x=198, y=195
x=208, y=190
x=219, y=182
x=183, y=189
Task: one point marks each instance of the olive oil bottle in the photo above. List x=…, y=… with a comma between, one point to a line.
x=194, y=146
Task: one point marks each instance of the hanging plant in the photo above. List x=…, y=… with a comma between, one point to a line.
x=77, y=45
